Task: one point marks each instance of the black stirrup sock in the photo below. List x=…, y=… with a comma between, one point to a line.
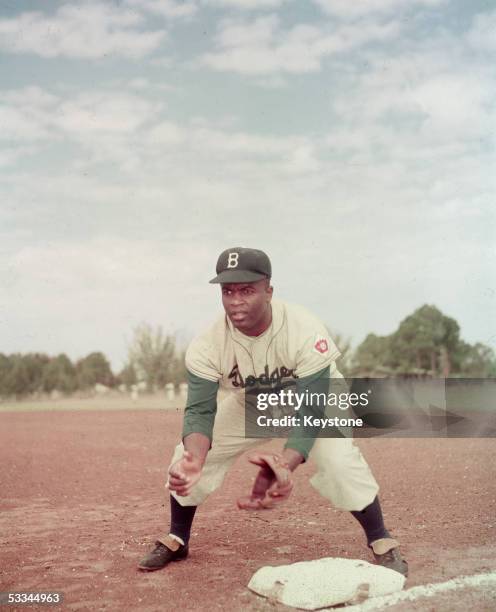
x=370, y=518
x=181, y=519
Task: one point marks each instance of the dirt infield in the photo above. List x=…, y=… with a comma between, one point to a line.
x=83, y=499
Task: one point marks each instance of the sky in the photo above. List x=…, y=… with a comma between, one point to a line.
x=353, y=141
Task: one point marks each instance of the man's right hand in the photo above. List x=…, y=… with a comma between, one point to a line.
x=273, y=483
x=184, y=474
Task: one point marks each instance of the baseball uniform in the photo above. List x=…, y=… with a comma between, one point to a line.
x=261, y=345
x=223, y=363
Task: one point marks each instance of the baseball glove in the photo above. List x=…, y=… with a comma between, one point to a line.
x=273, y=483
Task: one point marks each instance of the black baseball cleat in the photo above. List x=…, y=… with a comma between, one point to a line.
x=387, y=553
x=164, y=552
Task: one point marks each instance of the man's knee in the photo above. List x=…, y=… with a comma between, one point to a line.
x=343, y=475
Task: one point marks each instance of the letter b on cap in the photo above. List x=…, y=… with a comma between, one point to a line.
x=232, y=260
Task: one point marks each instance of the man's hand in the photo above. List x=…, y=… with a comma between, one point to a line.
x=184, y=474
x=272, y=485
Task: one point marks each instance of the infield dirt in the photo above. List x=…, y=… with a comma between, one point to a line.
x=83, y=499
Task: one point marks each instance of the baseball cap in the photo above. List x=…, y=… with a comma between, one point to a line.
x=241, y=265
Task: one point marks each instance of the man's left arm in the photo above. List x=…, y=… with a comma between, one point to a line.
x=302, y=437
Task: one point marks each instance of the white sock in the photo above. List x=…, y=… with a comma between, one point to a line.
x=177, y=538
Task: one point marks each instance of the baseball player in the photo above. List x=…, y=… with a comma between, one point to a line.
x=261, y=342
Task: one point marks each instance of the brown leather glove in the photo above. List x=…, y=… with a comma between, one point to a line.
x=272, y=485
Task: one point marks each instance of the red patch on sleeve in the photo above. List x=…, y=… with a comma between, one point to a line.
x=321, y=346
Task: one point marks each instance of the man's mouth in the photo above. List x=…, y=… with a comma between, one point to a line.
x=238, y=316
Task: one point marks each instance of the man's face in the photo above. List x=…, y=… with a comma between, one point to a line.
x=248, y=305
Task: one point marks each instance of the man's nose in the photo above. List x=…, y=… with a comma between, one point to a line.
x=236, y=299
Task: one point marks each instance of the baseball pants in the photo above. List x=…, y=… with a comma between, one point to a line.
x=343, y=476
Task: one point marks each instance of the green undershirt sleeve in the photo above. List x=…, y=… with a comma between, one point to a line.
x=201, y=406
x=302, y=438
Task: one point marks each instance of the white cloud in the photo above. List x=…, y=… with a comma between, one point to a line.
x=272, y=81
x=482, y=34
x=106, y=260
x=458, y=104
x=143, y=84
x=352, y=9
x=31, y=114
x=262, y=47
x=413, y=135
x=131, y=134
x=109, y=121
x=17, y=125
x=79, y=296
x=166, y=134
x=85, y=30
x=16, y=154
x=107, y=124
x=25, y=118
x=227, y=142
x=170, y=9
x=245, y=4
x=426, y=93
x=104, y=111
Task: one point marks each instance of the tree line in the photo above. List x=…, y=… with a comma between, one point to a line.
x=154, y=360
x=427, y=342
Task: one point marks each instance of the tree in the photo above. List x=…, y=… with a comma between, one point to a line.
x=178, y=370
x=152, y=356
x=344, y=345
x=373, y=354
x=425, y=340
x=5, y=366
x=478, y=360
x=16, y=377
x=21, y=375
x=35, y=364
x=93, y=369
x=127, y=376
x=59, y=373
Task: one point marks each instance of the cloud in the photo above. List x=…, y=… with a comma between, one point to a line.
x=89, y=30
x=481, y=35
x=245, y=4
x=62, y=297
x=129, y=130
x=169, y=9
x=16, y=154
x=103, y=112
x=166, y=134
x=469, y=112
x=104, y=260
x=107, y=124
x=432, y=95
x=262, y=47
x=32, y=114
x=143, y=84
x=353, y=9
x=25, y=115
x=272, y=81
